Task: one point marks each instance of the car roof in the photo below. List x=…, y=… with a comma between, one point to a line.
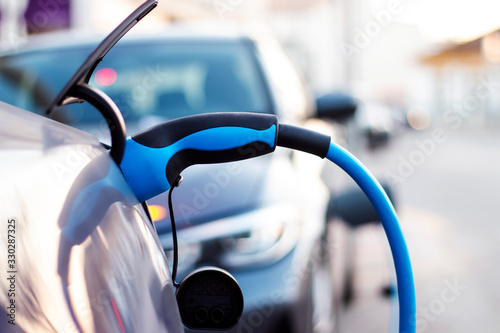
x=174, y=32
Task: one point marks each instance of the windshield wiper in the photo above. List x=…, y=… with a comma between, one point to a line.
x=86, y=70
x=77, y=90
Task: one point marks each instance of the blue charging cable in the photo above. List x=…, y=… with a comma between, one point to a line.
x=382, y=204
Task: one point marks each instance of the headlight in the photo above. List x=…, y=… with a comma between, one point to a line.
x=256, y=238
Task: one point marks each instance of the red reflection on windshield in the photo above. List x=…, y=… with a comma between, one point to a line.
x=105, y=77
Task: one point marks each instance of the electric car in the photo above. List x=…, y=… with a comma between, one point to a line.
x=263, y=220
x=79, y=252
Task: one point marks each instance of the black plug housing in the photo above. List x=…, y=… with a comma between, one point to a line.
x=209, y=298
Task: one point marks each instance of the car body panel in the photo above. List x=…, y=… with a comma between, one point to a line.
x=85, y=256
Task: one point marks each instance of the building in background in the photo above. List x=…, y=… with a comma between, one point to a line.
x=370, y=48
x=307, y=28
x=23, y=17
x=467, y=81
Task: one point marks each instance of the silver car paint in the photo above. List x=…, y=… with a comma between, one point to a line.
x=86, y=257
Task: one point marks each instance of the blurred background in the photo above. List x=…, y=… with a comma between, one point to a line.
x=427, y=75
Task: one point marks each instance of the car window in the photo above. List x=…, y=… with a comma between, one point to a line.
x=31, y=80
x=165, y=79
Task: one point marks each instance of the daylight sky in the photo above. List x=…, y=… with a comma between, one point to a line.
x=451, y=19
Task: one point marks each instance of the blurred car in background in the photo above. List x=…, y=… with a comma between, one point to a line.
x=376, y=122
x=264, y=220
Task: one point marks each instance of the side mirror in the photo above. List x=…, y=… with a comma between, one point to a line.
x=338, y=106
x=353, y=206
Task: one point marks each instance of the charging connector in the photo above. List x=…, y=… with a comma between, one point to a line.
x=154, y=159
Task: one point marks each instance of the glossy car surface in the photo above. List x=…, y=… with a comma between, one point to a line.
x=83, y=255
x=262, y=219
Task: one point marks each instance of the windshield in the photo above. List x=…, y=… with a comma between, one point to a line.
x=159, y=79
